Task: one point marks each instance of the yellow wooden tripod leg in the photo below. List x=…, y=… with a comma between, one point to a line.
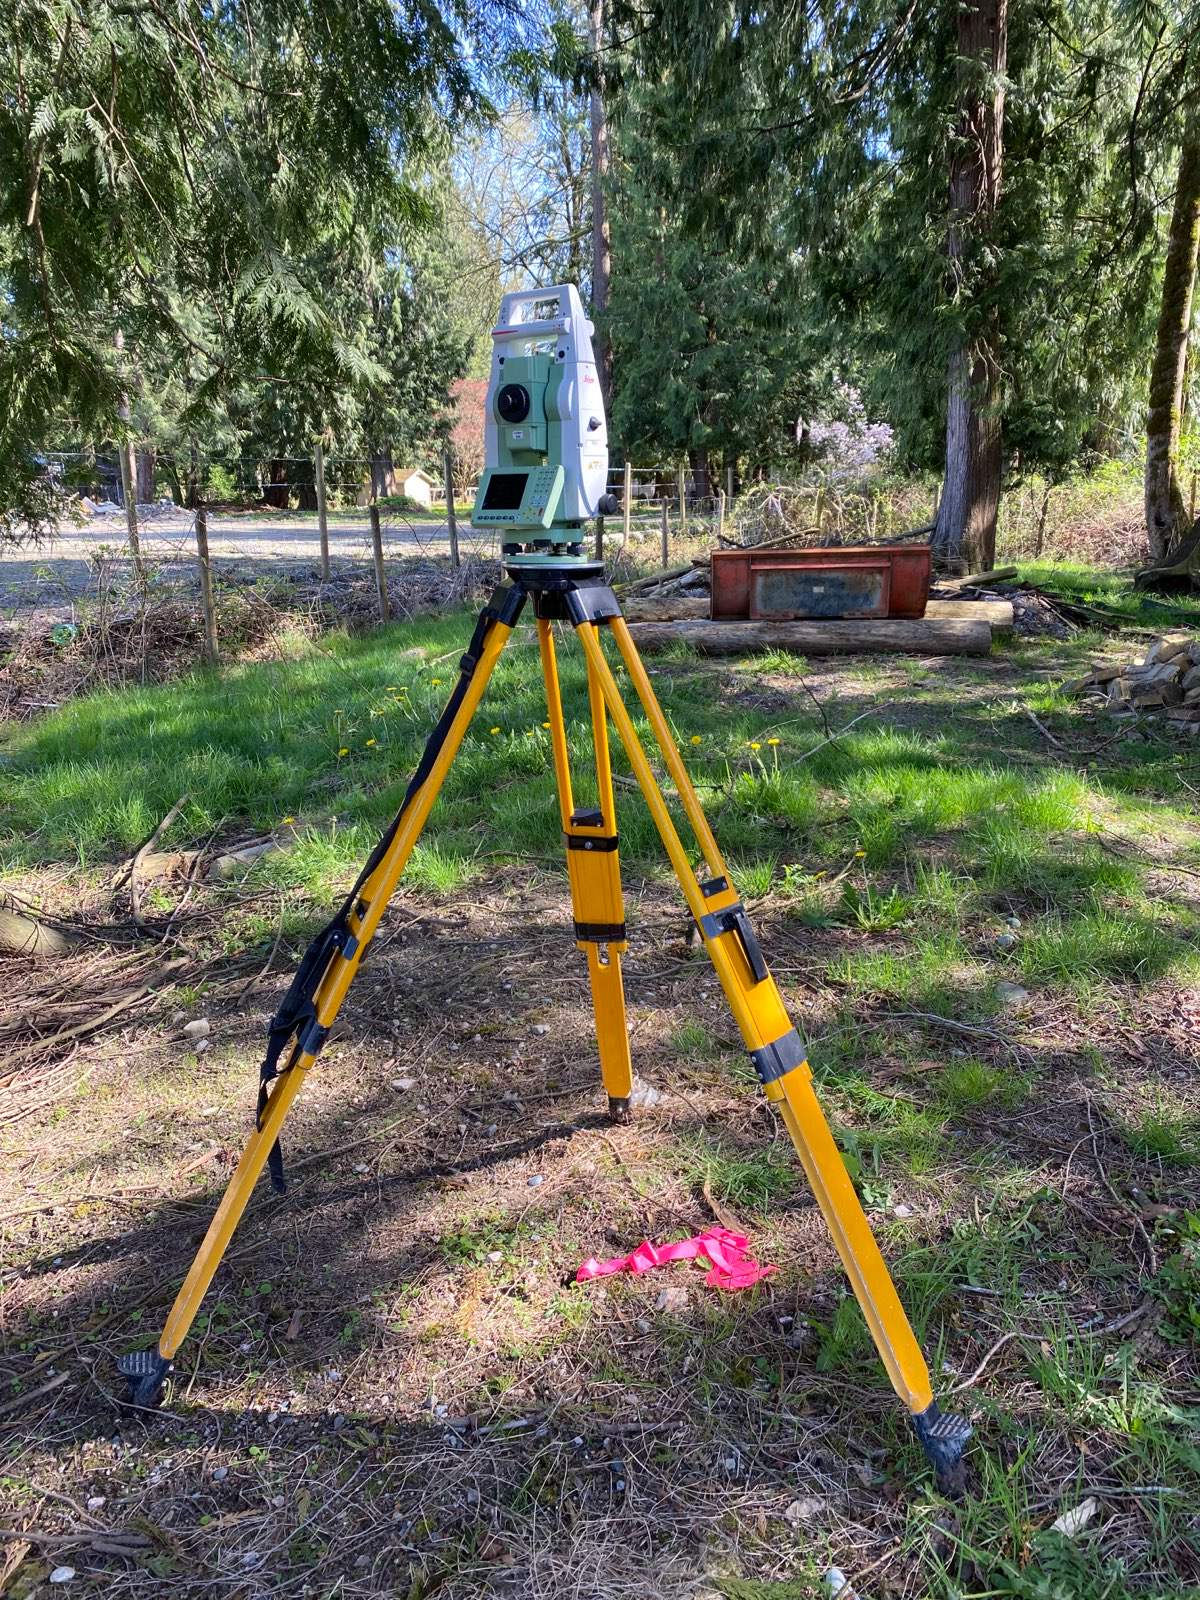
x=593, y=866
x=147, y=1370
x=777, y=1051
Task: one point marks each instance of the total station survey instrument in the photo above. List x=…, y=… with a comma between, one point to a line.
x=545, y=478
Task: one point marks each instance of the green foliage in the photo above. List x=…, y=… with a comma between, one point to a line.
x=710, y=345
x=244, y=194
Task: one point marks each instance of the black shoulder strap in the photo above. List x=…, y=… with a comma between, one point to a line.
x=296, y=1015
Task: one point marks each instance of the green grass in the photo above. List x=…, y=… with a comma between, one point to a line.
x=746, y=1180
x=964, y=1084
x=1165, y=1134
x=937, y=833
x=954, y=836
x=1104, y=943
x=930, y=972
x=1113, y=592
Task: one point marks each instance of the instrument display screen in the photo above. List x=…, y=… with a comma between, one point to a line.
x=504, y=491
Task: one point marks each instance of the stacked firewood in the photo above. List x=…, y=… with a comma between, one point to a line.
x=1166, y=681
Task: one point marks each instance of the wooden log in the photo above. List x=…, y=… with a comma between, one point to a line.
x=666, y=608
x=920, y=637
x=979, y=580
x=653, y=578
x=998, y=614
x=26, y=936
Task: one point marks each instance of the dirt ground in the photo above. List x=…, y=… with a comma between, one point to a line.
x=395, y=1386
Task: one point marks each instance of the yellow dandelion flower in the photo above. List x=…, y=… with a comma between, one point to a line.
x=391, y=689
x=697, y=739
x=370, y=742
x=493, y=730
x=435, y=683
x=772, y=741
x=754, y=745
x=859, y=854
x=545, y=724
x=287, y=821
x=344, y=751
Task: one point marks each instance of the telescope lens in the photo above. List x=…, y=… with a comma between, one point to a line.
x=512, y=403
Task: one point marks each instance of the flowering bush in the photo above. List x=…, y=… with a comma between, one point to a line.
x=851, y=445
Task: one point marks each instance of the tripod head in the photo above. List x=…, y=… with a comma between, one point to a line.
x=545, y=437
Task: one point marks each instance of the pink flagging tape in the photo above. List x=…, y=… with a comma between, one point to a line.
x=731, y=1267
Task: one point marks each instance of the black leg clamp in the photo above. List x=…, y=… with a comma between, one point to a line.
x=733, y=919
x=943, y=1437
x=146, y=1372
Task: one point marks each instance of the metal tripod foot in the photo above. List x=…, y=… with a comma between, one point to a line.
x=618, y=1108
x=943, y=1438
x=146, y=1373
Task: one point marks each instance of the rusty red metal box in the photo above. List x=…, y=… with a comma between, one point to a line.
x=824, y=581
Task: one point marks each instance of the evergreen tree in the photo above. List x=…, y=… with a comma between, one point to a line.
x=865, y=139
x=194, y=176
x=713, y=349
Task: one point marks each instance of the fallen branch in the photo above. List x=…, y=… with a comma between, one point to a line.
x=55, y=1382
x=1043, y=729
x=1021, y=1333
x=128, y=873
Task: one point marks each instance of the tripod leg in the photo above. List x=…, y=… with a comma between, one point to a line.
x=595, y=874
x=315, y=997
x=778, y=1054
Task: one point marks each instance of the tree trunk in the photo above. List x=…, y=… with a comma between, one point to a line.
x=700, y=473
x=276, y=491
x=966, y=522
x=1166, y=514
x=383, y=476
x=601, y=237
x=146, y=457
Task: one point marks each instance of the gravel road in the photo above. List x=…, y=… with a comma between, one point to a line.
x=61, y=570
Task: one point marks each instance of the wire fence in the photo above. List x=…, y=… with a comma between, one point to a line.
x=190, y=514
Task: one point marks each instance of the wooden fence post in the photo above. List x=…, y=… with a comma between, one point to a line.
x=129, y=477
x=681, y=487
x=720, y=514
x=129, y=495
x=729, y=482
x=451, y=519
x=322, y=515
x=666, y=532
x=385, y=610
x=211, y=653
x=627, y=505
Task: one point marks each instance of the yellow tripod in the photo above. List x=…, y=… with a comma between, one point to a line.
x=574, y=591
